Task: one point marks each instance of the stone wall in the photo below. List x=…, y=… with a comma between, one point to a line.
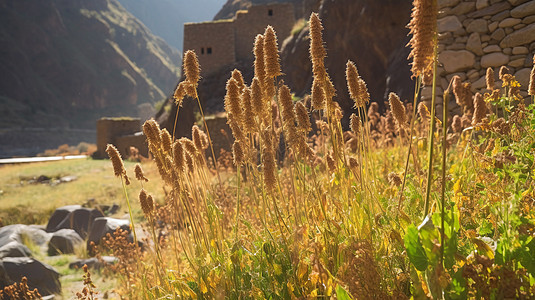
x=475, y=35
x=249, y=23
x=122, y=133
x=213, y=42
x=224, y=42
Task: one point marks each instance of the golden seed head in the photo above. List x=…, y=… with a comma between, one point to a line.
x=146, y=201
x=330, y=163
x=188, y=145
x=481, y=109
x=394, y=179
x=303, y=120
x=268, y=160
x=353, y=163
x=423, y=112
x=271, y=53
x=259, y=66
x=237, y=153
x=166, y=140
x=178, y=156
x=180, y=93
x=355, y=124
x=398, y=109
x=390, y=123
x=490, y=79
x=151, y=129
x=235, y=127
x=232, y=100
x=236, y=74
x=318, y=95
x=531, y=87
x=116, y=160
x=196, y=136
x=249, y=112
x=364, y=96
x=456, y=124
x=189, y=161
x=422, y=26
x=503, y=71
x=352, y=78
x=317, y=50
x=256, y=96
x=191, y=68
x=287, y=107
x=139, y=173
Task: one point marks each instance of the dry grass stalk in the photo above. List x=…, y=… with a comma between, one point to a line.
x=147, y=203
x=303, y=120
x=271, y=54
x=398, y=110
x=490, y=79
x=481, y=109
x=531, y=87
x=248, y=111
x=259, y=65
x=139, y=173
x=117, y=162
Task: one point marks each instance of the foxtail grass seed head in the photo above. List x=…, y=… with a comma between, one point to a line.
x=196, y=136
x=390, y=124
x=191, y=67
x=456, y=124
x=531, y=87
x=456, y=84
x=352, y=78
x=490, y=79
x=249, y=112
x=190, y=162
x=422, y=26
x=481, y=109
x=271, y=53
x=180, y=93
x=287, y=107
x=116, y=160
x=423, y=112
x=232, y=100
x=259, y=66
x=147, y=203
x=353, y=163
x=236, y=74
x=317, y=50
x=398, y=109
x=331, y=163
x=394, y=179
x=151, y=129
x=503, y=71
x=256, y=96
x=355, y=124
x=269, y=167
x=318, y=95
x=237, y=153
x=303, y=120
x=139, y=173
x=178, y=156
x=191, y=90
x=364, y=97
x=166, y=140
x=189, y=146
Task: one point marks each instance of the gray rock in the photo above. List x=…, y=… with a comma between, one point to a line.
x=455, y=61
x=93, y=262
x=490, y=10
x=493, y=26
x=509, y=22
x=474, y=44
x=14, y=249
x=492, y=48
x=447, y=3
x=517, y=63
x=520, y=37
x=4, y=279
x=15, y=232
x=478, y=25
x=463, y=8
x=480, y=4
x=528, y=20
x=496, y=59
x=40, y=276
x=64, y=241
x=526, y=9
x=449, y=24
x=498, y=34
x=522, y=76
x=73, y=217
x=104, y=225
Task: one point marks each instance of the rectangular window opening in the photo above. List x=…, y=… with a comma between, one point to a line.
x=202, y=50
x=209, y=50
x=270, y=12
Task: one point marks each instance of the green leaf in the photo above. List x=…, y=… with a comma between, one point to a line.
x=415, y=251
x=341, y=294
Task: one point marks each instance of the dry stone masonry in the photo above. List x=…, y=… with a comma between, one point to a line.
x=475, y=35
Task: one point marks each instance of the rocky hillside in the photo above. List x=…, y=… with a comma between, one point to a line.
x=165, y=18
x=65, y=63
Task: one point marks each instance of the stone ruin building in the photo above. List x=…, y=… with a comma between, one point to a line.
x=224, y=42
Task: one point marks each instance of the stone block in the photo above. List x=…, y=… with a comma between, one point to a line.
x=455, y=61
x=520, y=37
x=478, y=25
x=449, y=24
x=474, y=43
x=526, y=9
x=492, y=48
x=522, y=76
x=495, y=59
x=509, y=22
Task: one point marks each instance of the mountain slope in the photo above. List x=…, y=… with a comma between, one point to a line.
x=65, y=63
x=165, y=18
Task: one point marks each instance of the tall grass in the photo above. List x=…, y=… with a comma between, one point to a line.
x=302, y=213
